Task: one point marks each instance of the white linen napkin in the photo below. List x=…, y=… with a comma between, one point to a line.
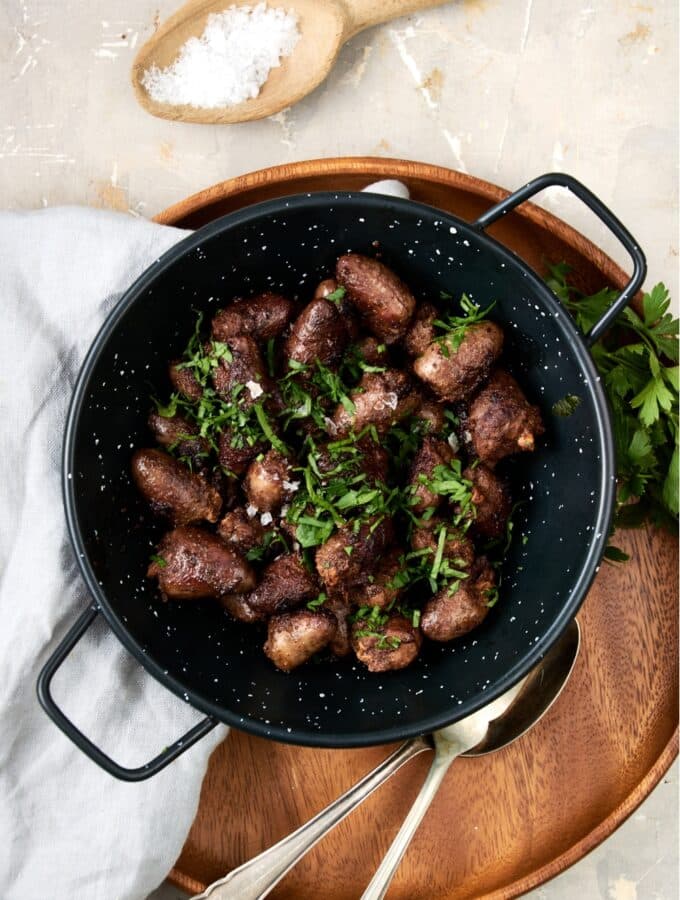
x=68, y=830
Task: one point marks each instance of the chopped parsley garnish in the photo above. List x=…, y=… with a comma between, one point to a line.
x=567, y=405
x=454, y=327
x=318, y=602
x=337, y=295
x=160, y=562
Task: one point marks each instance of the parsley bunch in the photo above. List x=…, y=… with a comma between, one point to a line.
x=638, y=361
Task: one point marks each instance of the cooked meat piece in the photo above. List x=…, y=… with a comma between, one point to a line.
x=363, y=456
x=432, y=453
x=432, y=414
x=382, y=298
x=383, y=590
x=245, y=370
x=193, y=563
x=381, y=399
x=241, y=531
x=261, y=317
x=185, y=382
x=235, y=453
x=325, y=287
x=396, y=647
x=285, y=582
x=501, y=421
x=180, y=434
x=372, y=352
x=173, y=490
x=318, y=334
x=238, y=607
x=454, y=374
x=227, y=487
x=421, y=333
x=449, y=615
x=293, y=638
x=458, y=548
x=340, y=644
x=491, y=499
x=374, y=460
x=269, y=482
x=342, y=571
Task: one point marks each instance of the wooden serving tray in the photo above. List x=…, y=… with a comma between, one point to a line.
x=501, y=824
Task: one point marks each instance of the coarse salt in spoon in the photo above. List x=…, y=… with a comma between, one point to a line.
x=323, y=26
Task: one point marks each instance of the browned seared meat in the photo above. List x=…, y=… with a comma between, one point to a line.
x=325, y=287
x=238, y=607
x=432, y=414
x=180, y=434
x=397, y=645
x=269, y=482
x=318, y=334
x=173, y=490
x=421, y=333
x=458, y=548
x=384, y=589
x=340, y=644
x=240, y=531
x=383, y=300
x=285, y=582
x=184, y=381
x=449, y=615
x=192, y=563
x=491, y=500
x=381, y=399
x=364, y=456
x=455, y=374
x=501, y=421
x=235, y=452
x=342, y=570
x=432, y=453
x=292, y=638
x=261, y=317
x=244, y=370
x=372, y=352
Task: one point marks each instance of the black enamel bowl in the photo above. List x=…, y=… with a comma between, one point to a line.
x=194, y=648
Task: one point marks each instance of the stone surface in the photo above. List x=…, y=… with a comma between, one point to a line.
x=504, y=91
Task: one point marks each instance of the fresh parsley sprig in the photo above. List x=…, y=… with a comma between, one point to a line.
x=638, y=362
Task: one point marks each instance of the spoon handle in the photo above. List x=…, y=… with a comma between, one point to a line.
x=256, y=878
x=380, y=882
x=364, y=13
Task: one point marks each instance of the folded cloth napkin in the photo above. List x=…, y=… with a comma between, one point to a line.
x=69, y=831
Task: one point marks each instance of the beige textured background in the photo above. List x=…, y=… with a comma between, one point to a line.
x=503, y=90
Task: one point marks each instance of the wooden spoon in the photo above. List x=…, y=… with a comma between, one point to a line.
x=324, y=27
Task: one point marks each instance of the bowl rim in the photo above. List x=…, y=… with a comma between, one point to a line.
x=319, y=201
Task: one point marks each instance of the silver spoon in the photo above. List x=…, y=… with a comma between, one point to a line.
x=491, y=728
x=498, y=724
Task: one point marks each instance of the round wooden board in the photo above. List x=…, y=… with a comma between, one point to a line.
x=505, y=823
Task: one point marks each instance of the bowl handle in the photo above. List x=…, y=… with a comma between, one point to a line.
x=85, y=744
x=557, y=179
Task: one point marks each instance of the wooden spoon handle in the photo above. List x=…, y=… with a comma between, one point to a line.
x=363, y=13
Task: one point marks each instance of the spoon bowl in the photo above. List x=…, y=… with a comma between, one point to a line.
x=496, y=725
x=324, y=26
x=491, y=728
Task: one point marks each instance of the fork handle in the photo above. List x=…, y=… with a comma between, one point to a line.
x=256, y=878
x=385, y=872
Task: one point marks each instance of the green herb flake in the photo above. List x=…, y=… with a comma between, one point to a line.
x=567, y=405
